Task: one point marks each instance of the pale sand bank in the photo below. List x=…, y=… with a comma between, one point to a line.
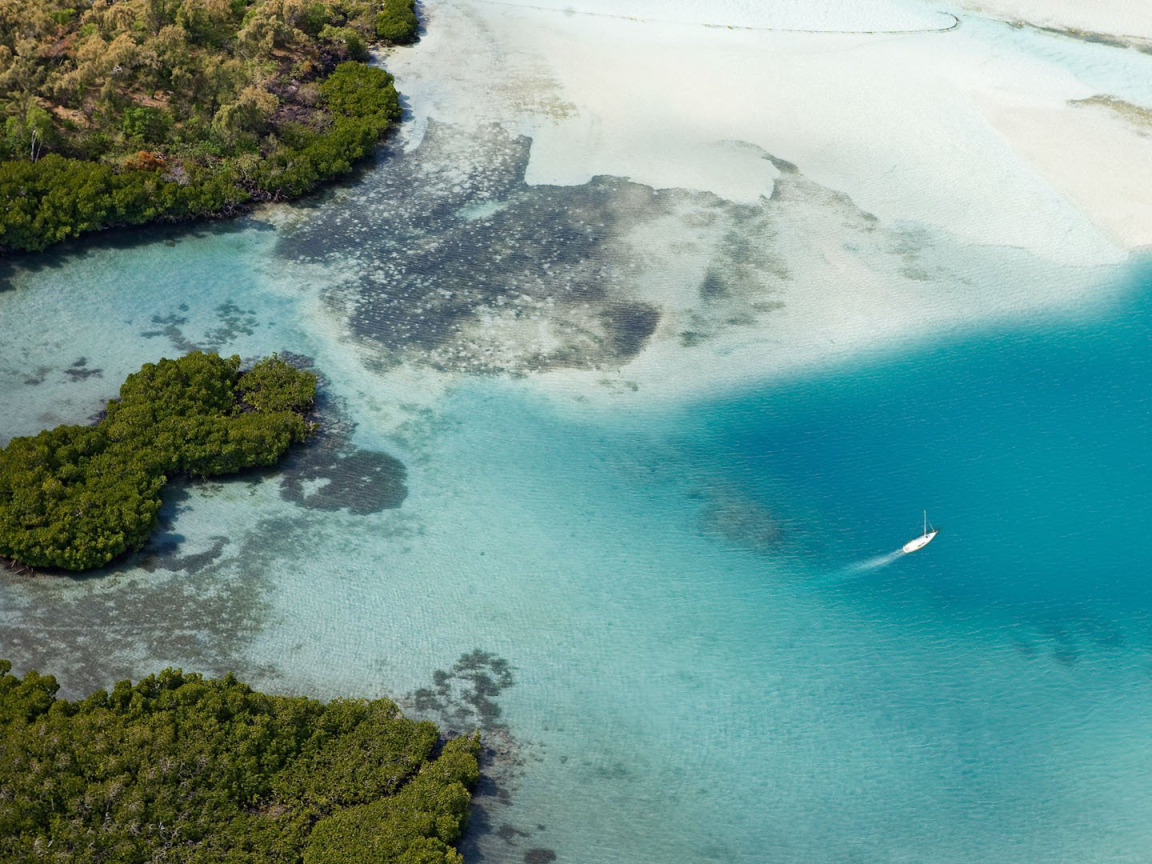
x=824, y=16
x=1115, y=17
x=894, y=122
x=1094, y=155
x=993, y=190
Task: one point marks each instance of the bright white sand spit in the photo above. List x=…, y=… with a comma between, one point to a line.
x=1115, y=17
x=818, y=16
x=944, y=178
x=896, y=122
x=1099, y=156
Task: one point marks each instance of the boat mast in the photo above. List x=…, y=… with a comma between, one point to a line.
x=925, y=523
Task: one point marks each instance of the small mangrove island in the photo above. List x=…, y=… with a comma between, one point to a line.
x=188, y=769
x=76, y=497
x=125, y=112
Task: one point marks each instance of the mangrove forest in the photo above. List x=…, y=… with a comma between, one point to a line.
x=125, y=112
x=76, y=497
x=187, y=769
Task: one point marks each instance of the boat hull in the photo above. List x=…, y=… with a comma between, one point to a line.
x=919, y=542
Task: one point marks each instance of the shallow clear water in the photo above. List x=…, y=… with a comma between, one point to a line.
x=820, y=700
x=717, y=656
x=713, y=660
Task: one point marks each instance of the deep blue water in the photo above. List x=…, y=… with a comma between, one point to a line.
x=1028, y=446
x=711, y=665
x=718, y=658
x=806, y=696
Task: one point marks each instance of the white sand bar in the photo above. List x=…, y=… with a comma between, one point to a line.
x=1115, y=17
x=897, y=122
x=952, y=128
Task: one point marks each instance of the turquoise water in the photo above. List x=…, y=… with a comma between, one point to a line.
x=713, y=658
x=985, y=700
x=716, y=656
x=1028, y=445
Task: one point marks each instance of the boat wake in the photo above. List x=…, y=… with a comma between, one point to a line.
x=856, y=571
x=874, y=563
x=869, y=565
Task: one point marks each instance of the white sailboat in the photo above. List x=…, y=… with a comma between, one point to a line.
x=923, y=540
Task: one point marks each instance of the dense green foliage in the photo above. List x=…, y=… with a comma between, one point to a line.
x=75, y=497
x=122, y=112
x=185, y=769
x=56, y=198
x=397, y=22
